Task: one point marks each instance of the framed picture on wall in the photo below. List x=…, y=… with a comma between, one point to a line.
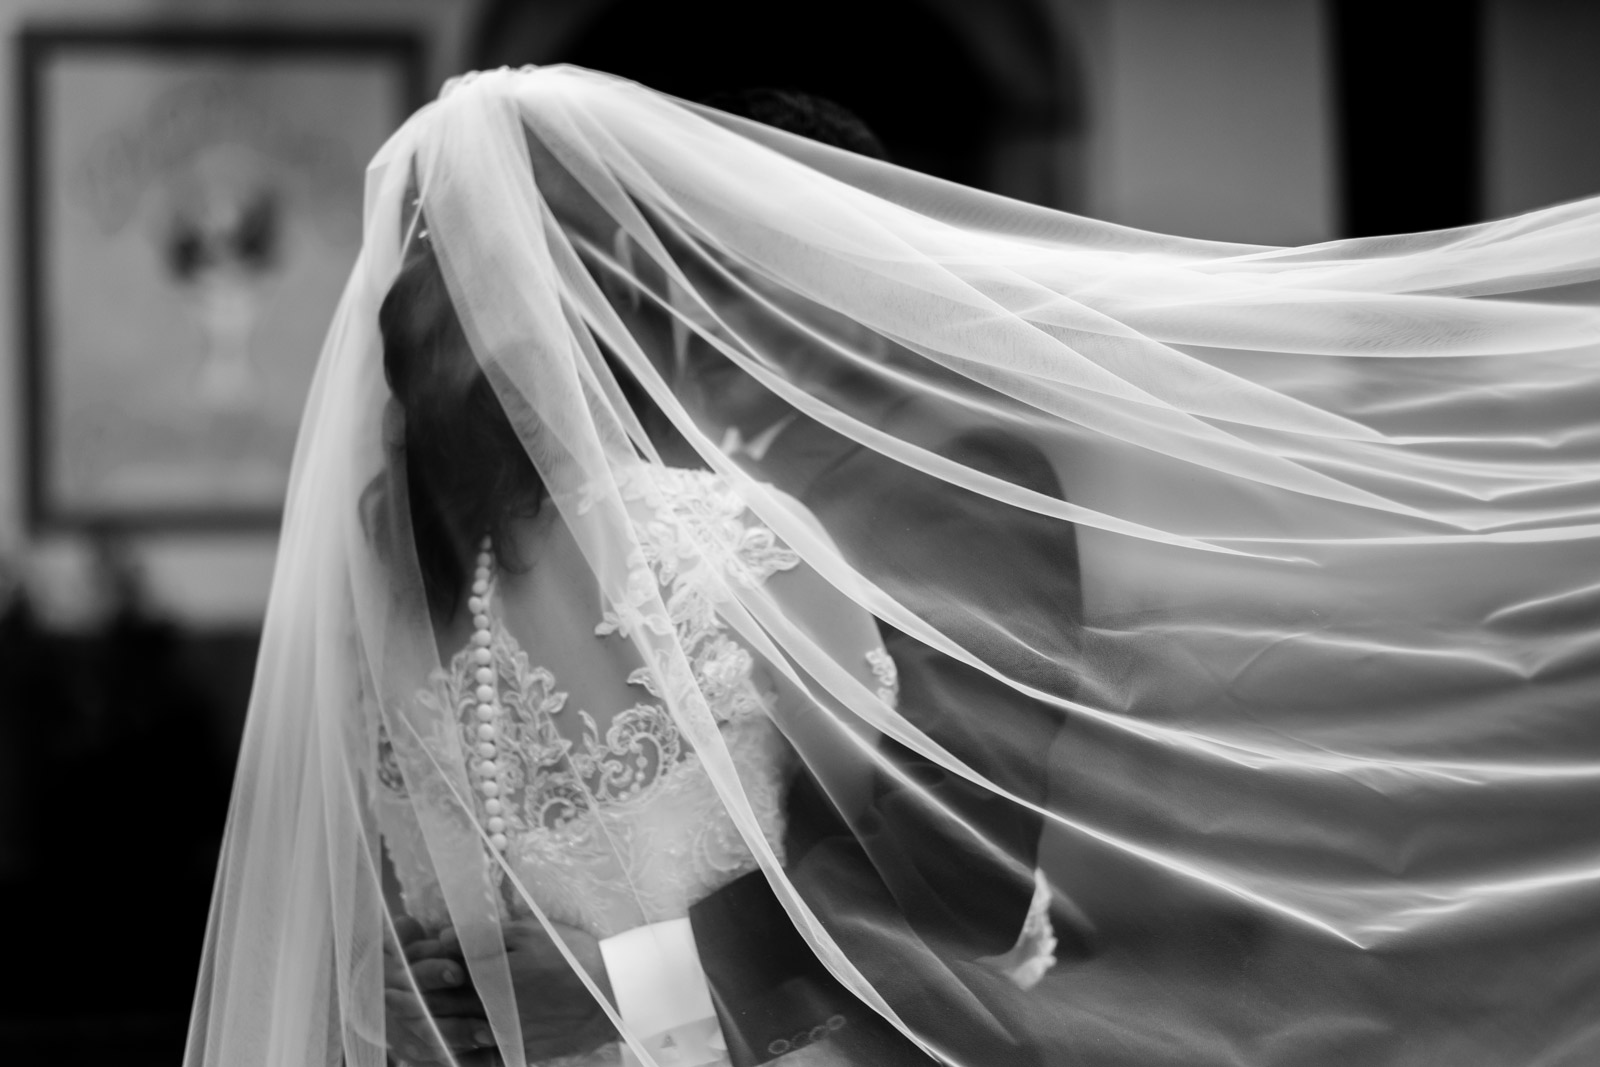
x=190, y=211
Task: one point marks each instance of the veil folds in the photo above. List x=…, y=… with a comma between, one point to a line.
x=1248, y=593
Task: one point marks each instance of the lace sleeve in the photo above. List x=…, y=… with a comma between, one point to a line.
x=840, y=627
x=847, y=635
x=886, y=674
x=1035, y=951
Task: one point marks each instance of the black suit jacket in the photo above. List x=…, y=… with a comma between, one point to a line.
x=907, y=892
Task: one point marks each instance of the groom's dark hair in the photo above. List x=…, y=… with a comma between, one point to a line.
x=805, y=114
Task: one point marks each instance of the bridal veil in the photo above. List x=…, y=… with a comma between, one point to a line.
x=1323, y=676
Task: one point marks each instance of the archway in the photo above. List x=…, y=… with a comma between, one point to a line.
x=952, y=88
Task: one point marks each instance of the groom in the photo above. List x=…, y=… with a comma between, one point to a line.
x=917, y=892
x=910, y=530
x=923, y=893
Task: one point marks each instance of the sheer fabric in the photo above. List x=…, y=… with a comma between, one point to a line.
x=891, y=528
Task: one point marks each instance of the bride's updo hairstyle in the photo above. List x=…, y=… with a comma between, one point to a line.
x=467, y=472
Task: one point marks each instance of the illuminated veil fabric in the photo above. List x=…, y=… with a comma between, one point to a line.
x=1334, y=678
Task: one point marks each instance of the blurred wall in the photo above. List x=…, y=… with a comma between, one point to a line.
x=980, y=94
x=1541, y=103
x=1210, y=118
x=212, y=580
x=1207, y=118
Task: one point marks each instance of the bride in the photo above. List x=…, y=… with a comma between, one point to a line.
x=677, y=642
x=609, y=823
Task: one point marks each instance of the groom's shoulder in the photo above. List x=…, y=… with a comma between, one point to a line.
x=985, y=447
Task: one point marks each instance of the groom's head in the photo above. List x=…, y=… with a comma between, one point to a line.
x=804, y=114
x=716, y=391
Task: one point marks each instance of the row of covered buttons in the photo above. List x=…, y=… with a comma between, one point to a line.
x=488, y=699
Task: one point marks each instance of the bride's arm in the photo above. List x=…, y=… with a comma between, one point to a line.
x=834, y=742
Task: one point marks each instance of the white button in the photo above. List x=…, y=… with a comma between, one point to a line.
x=499, y=842
x=485, y=676
x=486, y=750
x=486, y=694
x=482, y=656
x=493, y=807
x=496, y=825
x=488, y=768
x=489, y=789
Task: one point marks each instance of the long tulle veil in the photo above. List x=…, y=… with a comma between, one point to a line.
x=1325, y=667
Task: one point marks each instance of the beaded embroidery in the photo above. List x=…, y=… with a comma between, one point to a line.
x=575, y=804
x=888, y=676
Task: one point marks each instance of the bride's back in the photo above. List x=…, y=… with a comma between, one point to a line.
x=595, y=798
x=583, y=780
x=549, y=605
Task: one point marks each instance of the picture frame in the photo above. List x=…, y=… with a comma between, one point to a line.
x=190, y=208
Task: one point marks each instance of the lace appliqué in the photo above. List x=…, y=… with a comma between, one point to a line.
x=699, y=537
x=549, y=781
x=1035, y=951
x=887, y=675
x=623, y=826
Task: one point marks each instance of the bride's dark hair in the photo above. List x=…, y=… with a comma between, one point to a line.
x=467, y=472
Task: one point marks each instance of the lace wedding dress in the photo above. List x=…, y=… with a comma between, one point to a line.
x=613, y=827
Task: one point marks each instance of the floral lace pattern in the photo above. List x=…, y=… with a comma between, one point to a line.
x=887, y=675
x=621, y=825
x=1031, y=958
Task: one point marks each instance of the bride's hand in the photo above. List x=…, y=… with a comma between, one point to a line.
x=559, y=1015
x=446, y=1011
